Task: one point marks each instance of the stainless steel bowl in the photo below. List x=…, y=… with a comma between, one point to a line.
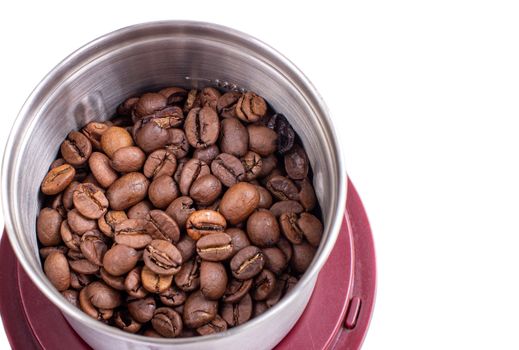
x=90, y=83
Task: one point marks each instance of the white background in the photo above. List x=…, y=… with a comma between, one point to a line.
x=425, y=98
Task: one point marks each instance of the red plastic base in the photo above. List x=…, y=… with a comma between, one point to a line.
x=330, y=321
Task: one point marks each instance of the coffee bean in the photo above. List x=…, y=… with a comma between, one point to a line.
x=68, y=203
x=236, y=290
x=268, y=164
x=128, y=190
x=173, y=296
x=149, y=103
x=159, y=163
x=46, y=251
x=153, y=282
x=275, y=260
x=180, y=209
x=247, y=263
x=286, y=134
x=79, y=281
x=57, y=179
x=115, y=138
x=251, y=107
x=48, y=227
x=290, y=227
x=239, y=202
x=205, y=190
x=177, y=143
x=263, y=228
x=239, y=239
x=87, y=307
x=120, y=259
x=306, y=194
x=93, y=131
x=265, y=201
x=90, y=201
x=83, y=266
x=226, y=105
x=283, y=188
x=191, y=171
x=264, y=284
x=234, y=138
x=126, y=108
x=57, y=163
x=287, y=207
x=142, y=310
x=207, y=154
x=162, y=191
x=57, y=270
x=187, y=247
x=239, y=313
x=259, y=308
x=218, y=325
x=296, y=163
x=215, y=247
x=78, y=223
x=123, y=320
x=93, y=247
x=198, y=310
x=76, y=148
x=132, y=233
x=262, y=140
x=192, y=100
x=204, y=222
x=71, y=240
x=162, y=226
x=103, y=296
x=128, y=159
x=151, y=333
x=140, y=210
x=116, y=282
x=167, y=322
x=311, y=227
x=100, y=166
x=209, y=97
x=302, y=256
x=107, y=222
x=252, y=164
x=151, y=133
x=133, y=284
x=162, y=257
x=72, y=296
x=174, y=95
x=202, y=127
x=228, y=169
x=213, y=279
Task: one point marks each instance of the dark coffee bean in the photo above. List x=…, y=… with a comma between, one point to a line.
x=57, y=203
x=192, y=100
x=123, y=320
x=128, y=190
x=187, y=247
x=153, y=282
x=79, y=281
x=162, y=257
x=264, y=284
x=188, y=278
x=247, y=263
x=78, y=223
x=162, y=226
x=93, y=131
x=107, y=222
x=149, y=103
x=239, y=201
x=48, y=227
x=265, y=201
x=180, y=209
x=159, y=163
x=76, y=148
x=99, y=164
x=102, y=296
x=74, y=254
x=262, y=140
x=128, y=159
x=71, y=240
x=306, y=194
x=68, y=203
x=239, y=239
x=84, y=266
x=268, y=164
x=120, y=259
x=58, y=162
x=198, y=310
x=215, y=247
x=132, y=233
x=72, y=296
x=290, y=283
x=151, y=133
x=252, y=164
x=133, y=284
x=283, y=188
x=213, y=279
x=217, y=325
x=151, y=333
x=296, y=163
x=205, y=222
x=173, y=296
x=205, y=190
x=142, y=310
x=167, y=322
x=207, y=154
x=228, y=169
x=275, y=260
x=174, y=95
x=277, y=293
x=116, y=282
x=115, y=138
x=93, y=247
x=140, y=210
x=287, y=207
x=57, y=270
x=239, y=313
x=126, y=108
x=46, y=251
x=290, y=227
x=177, y=143
x=87, y=307
x=209, y=97
x=251, y=107
x=311, y=227
x=234, y=138
x=236, y=290
x=286, y=134
x=202, y=127
x=226, y=105
x=90, y=201
x=162, y=191
x=57, y=179
x=191, y=171
x=263, y=228
x=302, y=256
x=259, y=308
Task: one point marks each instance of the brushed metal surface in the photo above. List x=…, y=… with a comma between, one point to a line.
x=90, y=83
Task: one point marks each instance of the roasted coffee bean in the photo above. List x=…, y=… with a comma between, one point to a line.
x=234, y=138
x=259, y=308
x=116, y=282
x=159, y=163
x=162, y=191
x=187, y=247
x=128, y=159
x=277, y=293
x=264, y=284
x=239, y=202
x=262, y=140
x=228, y=169
x=204, y=222
x=265, y=201
x=120, y=259
x=162, y=257
x=239, y=239
x=188, y=278
x=84, y=266
x=102, y=296
x=237, y=289
x=115, y=138
x=283, y=188
x=72, y=296
x=215, y=247
x=151, y=133
x=149, y=103
x=57, y=203
x=93, y=247
x=153, y=282
x=100, y=166
x=68, y=203
x=192, y=100
x=199, y=310
x=251, y=107
x=290, y=227
x=306, y=194
x=275, y=260
x=123, y=320
x=142, y=310
x=161, y=226
x=151, y=333
x=78, y=223
x=252, y=164
x=57, y=163
x=226, y=105
x=45, y=251
x=205, y=190
x=132, y=233
x=79, y=281
x=128, y=190
x=174, y=95
x=180, y=209
x=87, y=307
x=217, y=325
x=263, y=228
x=133, y=284
x=311, y=227
x=239, y=313
x=247, y=263
x=286, y=134
x=180, y=166
x=173, y=296
x=57, y=179
x=177, y=143
x=207, y=154
x=191, y=171
x=126, y=108
x=202, y=127
x=213, y=279
x=90, y=201
x=107, y=222
x=209, y=97
x=302, y=256
x=93, y=131
x=74, y=254
x=71, y=240
x=167, y=322
x=140, y=210
x=76, y=148
x=268, y=164
x=287, y=207
x=57, y=270
x=296, y=163
x=48, y=227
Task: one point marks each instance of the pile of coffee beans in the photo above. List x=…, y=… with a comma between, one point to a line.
x=188, y=213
